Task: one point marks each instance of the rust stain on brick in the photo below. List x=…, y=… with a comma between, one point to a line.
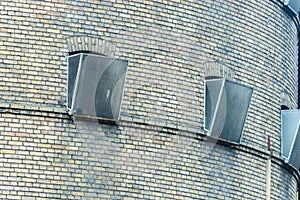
x=55, y=146
x=3, y=30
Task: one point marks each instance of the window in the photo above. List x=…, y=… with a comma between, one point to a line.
x=290, y=137
x=226, y=108
x=95, y=86
x=285, y=101
x=294, y=5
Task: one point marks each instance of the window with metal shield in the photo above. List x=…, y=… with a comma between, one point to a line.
x=95, y=86
x=285, y=101
x=226, y=108
x=290, y=137
x=294, y=5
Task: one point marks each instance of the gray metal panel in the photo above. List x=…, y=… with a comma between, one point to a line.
x=290, y=144
x=219, y=119
x=73, y=65
x=212, y=95
x=294, y=158
x=226, y=108
x=100, y=87
x=109, y=90
x=238, y=98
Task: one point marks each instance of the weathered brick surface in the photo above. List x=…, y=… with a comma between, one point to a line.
x=156, y=151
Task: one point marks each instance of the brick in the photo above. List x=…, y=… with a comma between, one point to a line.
x=44, y=154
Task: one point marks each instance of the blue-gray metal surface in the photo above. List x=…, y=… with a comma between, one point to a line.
x=294, y=5
x=290, y=138
x=73, y=65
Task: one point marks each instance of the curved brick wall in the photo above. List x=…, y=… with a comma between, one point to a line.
x=157, y=151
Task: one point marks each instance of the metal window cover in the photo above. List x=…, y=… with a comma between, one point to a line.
x=98, y=88
x=226, y=108
x=290, y=137
x=294, y=5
